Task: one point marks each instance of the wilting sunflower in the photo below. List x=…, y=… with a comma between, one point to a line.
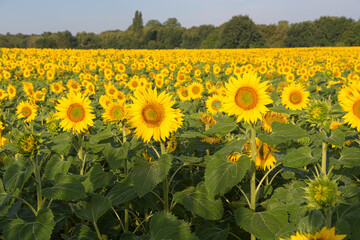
x=114, y=112
x=295, y=97
x=270, y=117
x=264, y=158
x=152, y=115
x=26, y=110
x=233, y=157
x=351, y=105
x=75, y=113
x=246, y=97
x=213, y=104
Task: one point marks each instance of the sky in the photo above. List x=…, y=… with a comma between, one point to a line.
x=38, y=16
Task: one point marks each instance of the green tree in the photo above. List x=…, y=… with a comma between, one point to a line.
x=172, y=23
x=300, y=35
x=191, y=38
x=64, y=39
x=88, y=40
x=240, y=32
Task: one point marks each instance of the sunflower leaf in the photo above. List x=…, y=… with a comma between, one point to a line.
x=166, y=226
x=146, y=175
x=221, y=174
x=122, y=192
x=282, y=132
x=196, y=200
x=349, y=157
x=337, y=138
x=299, y=157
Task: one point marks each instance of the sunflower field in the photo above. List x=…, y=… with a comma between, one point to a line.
x=180, y=144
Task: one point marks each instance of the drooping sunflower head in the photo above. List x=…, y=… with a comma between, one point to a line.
x=152, y=115
x=26, y=110
x=318, y=112
x=270, y=117
x=115, y=112
x=246, y=97
x=295, y=97
x=351, y=105
x=233, y=157
x=75, y=113
x=264, y=158
x=28, y=145
x=322, y=192
x=207, y=119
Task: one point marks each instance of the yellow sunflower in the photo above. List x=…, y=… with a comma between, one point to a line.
x=26, y=110
x=183, y=94
x=114, y=112
x=264, y=158
x=11, y=91
x=351, y=105
x=3, y=94
x=152, y=115
x=57, y=87
x=297, y=236
x=246, y=97
x=195, y=90
x=294, y=97
x=75, y=113
x=270, y=117
x=328, y=234
x=213, y=104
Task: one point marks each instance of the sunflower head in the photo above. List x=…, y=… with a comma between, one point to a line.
x=28, y=145
x=322, y=192
x=317, y=112
x=171, y=144
x=207, y=119
x=295, y=97
x=233, y=157
x=270, y=117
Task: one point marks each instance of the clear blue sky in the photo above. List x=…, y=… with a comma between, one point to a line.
x=38, y=16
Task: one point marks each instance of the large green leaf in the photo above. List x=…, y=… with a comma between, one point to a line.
x=146, y=175
x=197, y=201
x=263, y=225
x=67, y=187
x=349, y=157
x=122, y=192
x=115, y=156
x=282, y=132
x=337, y=138
x=96, y=178
x=83, y=232
x=62, y=143
x=222, y=127
x=166, y=226
x=221, y=174
x=209, y=231
x=299, y=157
x=93, y=208
x=15, y=176
x=56, y=165
x=40, y=228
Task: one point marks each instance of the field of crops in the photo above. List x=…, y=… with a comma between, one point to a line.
x=180, y=144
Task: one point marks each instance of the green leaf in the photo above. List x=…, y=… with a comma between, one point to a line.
x=16, y=176
x=349, y=157
x=67, y=187
x=83, y=232
x=196, y=200
x=40, y=228
x=93, y=208
x=96, y=178
x=56, y=165
x=192, y=134
x=337, y=138
x=122, y=192
x=62, y=143
x=282, y=132
x=299, y=157
x=222, y=127
x=221, y=174
x=101, y=136
x=146, y=176
x=263, y=225
x=166, y=226
x=209, y=231
x=115, y=156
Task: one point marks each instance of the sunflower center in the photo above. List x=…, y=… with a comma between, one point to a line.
x=216, y=105
x=26, y=111
x=118, y=113
x=153, y=114
x=246, y=98
x=196, y=90
x=76, y=112
x=295, y=97
x=356, y=109
x=184, y=93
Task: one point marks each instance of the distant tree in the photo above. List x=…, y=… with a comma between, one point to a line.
x=172, y=23
x=45, y=42
x=64, y=39
x=169, y=38
x=4, y=42
x=88, y=40
x=153, y=23
x=211, y=40
x=190, y=38
x=351, y=37
x=240, y=32
x=300, y=35
x=275, y=34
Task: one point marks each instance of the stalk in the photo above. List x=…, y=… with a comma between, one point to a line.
x=328, y=218
x=126, y=212
x=38, y=183
x=80, y=154
x=97, y=231
x=323, y=157
x=165, y=183
x=253, y=172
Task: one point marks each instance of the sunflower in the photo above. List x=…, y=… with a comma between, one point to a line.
x=114, y=112
x=39, y=96
x=213, y=104
x=233, y=157
x=195, y=90
x=57, y=87
x=294, y=97
x=152, y=115
x=3, y=94
x=328, y=234
x=26, y=110
x=270, y=117
x=183, y=94
x=75, y=113
x=351, y=105
x=264, y=158
x=72, y=85
x=246, y=97
x=28, y=88
x=297, y=236
x=11, y=91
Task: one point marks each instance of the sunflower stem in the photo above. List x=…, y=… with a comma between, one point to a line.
x=165, y=182
x=38, y=182
x=97, y=231
x=126, y=171
x=328, y=218
x=253, y=172
x=80, y=154
x=323, y=157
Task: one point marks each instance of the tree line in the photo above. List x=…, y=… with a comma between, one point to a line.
x=239, y=32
